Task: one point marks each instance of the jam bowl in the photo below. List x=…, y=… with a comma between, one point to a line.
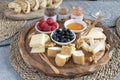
x=76, y=25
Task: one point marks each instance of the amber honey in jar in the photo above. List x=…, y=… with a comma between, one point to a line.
x=63, y=14
x=50, y=12
x=77, y=13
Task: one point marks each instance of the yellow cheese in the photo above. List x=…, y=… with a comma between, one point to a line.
x=60, y=59
x=78, y=57
x=67, y=50
x=52, y=51
x=40, y=49
x=38, y=40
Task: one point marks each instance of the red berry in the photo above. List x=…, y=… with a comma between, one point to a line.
x=44, y=24
x=41, y=21
x=49, y=21
x=39, y=28
x=53, y=28
x=54, y=24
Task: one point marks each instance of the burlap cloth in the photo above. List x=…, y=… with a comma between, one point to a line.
x=8, y=27
x=108, y=72
x=118, y=26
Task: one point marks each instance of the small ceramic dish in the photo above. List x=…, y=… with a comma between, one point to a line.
x=63, y=43
x=36, y=27
x=76, y=21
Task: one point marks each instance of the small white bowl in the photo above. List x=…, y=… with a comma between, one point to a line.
x=63, y=43
x=76, y=21
x=36, y=27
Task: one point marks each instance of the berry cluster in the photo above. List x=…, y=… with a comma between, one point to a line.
x=47, y=26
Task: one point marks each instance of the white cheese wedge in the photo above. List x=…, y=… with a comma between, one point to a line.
x=100, y=45
x=61, y=59
x=40, y=49
x=38, y=40
x=85, y=46
x=78, y=57
x=52, y=51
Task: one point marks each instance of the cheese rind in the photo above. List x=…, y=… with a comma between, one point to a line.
x=38, y=40
x=40, y=49
x=78, y=57
x=60, y=59
x=52, y=51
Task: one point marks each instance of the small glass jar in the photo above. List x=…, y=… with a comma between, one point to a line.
x=63, y=14
x=77, y=13
x=50, y=12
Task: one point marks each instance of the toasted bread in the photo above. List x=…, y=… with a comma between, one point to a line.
x=43, y=4
x=49, y=2
x=25, y=5
x=32, y=3
x=15, y=6
x=36, y=5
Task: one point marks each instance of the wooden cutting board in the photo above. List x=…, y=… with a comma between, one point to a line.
x=69, y=70
x=9, y=13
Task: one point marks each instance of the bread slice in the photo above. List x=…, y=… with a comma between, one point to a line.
x=61, y=59
x=25, y=5
x=32, y=3
x=49, y=2
x=43, y=4
x=55, y=1
x=36, y=5
x=15, y=6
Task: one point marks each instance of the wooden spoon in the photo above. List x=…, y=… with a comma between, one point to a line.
x=93, y=25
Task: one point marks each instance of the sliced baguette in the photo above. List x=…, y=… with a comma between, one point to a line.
x=49, y=2
x=32, y=3
x=25, y=5
x=15, y=6
x=43, y=4
x=36, y=5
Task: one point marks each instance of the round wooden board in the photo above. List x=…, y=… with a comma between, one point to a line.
x=33, y=14
x=69, y=70
x=118, y=26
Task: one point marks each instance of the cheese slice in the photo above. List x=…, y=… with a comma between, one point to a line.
x=38, y=40
x=40, y=49
x=61, y=59
x=95, y=33
x=52, y=51
x=78, y=57
x=100, y=45
x=67, y=50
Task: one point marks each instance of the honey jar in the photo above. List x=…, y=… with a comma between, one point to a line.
x=77, y=13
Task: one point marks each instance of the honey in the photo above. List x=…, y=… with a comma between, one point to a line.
x=75, y=26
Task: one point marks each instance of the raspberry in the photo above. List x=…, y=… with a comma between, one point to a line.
x=44, y=24
x=53, y=28
x=41, y=21
x=49, y=21
x=54, y=24
x=39, y=28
